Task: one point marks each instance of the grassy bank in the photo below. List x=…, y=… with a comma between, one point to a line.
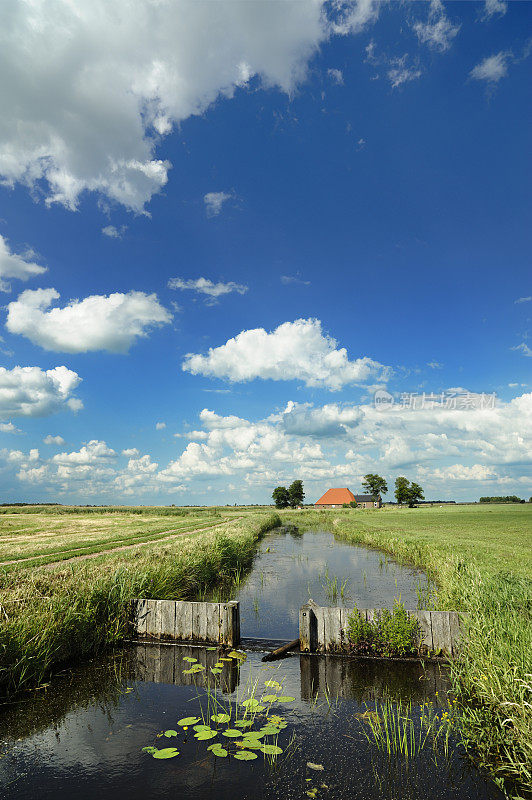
x=54, y=614
x=480, y=559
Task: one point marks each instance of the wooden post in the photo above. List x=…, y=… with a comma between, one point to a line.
x=230, y=627
x=304, y=628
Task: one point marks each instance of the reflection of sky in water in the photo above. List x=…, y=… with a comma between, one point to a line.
x=294, y=569
x=90, y=744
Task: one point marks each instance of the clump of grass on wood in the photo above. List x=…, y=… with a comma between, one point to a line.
x=52, y=616
x=391, y=633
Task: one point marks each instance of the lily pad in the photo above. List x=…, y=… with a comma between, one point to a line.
x=243, y=723
x=210, y=649
x=245, y=755
x=166, y=752
x=273, y=684
x=269, y=730
x=252, y=704
x=186, y=721
x=150, y=750
x=252, y=744
x=286, y=699
x=231, y=733
x=236, y=654
x=271, y=749
x=216, y=671
x=204, y=735
x=269, y=698
x=253, y=734
x=189, y=658
x=220, y=717
x=202, y=727
x=170, y=733
x=226, y=659
x=221, y=752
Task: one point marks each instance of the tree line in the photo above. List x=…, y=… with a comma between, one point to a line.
x=375, y=485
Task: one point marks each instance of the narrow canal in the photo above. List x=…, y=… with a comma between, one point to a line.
x=303, y=727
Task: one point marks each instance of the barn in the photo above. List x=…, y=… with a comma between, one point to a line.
x=335, y=498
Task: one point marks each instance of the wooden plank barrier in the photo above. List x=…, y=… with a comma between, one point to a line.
x=324, y=629
x=180, y=620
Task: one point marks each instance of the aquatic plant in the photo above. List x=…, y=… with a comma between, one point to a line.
x=396, y=730
x=391, y=633
x=247, y=723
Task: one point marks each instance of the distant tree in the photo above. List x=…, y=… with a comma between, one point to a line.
x=353, y=503
x=406, y=492
x=281, y=497
x=374, y=484
x=296, y=493
x=402, y=486
x=416, y=494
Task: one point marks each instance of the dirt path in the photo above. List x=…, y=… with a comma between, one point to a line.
x=163, y=536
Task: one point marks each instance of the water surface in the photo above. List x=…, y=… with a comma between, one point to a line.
x=289, y=568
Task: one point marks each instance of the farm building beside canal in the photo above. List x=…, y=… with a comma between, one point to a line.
x=335, y=498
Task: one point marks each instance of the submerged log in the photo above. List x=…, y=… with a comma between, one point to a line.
x=280, y=652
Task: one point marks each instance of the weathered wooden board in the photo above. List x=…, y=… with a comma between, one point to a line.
x=324, y=629
x=215, y=623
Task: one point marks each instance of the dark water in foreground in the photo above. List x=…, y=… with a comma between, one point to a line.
x=290, y=568
x=83, y=737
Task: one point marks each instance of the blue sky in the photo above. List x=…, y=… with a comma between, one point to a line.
x=224, y=228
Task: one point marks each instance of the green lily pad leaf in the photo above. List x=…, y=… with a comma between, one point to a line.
x=149, y=750
x=202, y=727
x=273, y=684
x=189, y=658
x=245, y=755
x=236, y=654
x=252, y=744
x=243, y=723
x=254, y=734
x=186, y=721
x=204, y=735
x=226, y=659
x=170, y=733
x=271, y=749
x=221, y=752
x=269, y=698
x=216, y=671
x=166, y=752
x=286, y=699
x=269, y=730
x=220, y=717
x=231, y=733
x=252, y=704
x=219, y=665
x=210, y=649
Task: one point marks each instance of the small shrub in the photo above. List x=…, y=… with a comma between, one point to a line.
x=392, y=633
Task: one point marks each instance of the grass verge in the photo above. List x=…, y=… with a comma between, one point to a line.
x=479, y=563
x=54, y=615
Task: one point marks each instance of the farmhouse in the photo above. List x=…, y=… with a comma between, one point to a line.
x=335, y=498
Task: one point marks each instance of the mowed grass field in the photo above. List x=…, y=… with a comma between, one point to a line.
x=50, y=534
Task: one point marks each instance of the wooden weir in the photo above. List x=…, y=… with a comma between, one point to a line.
x=324, y=629
x=321, y=629
x=213, y=623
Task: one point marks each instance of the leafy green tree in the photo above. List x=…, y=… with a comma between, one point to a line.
x=416, y=494
x=281, y=497
x=402, y=487
x=374, y=484
x=296, y=494
x=406, y=492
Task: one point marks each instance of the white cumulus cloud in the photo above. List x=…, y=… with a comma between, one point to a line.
x=93, y=452
x=116, y=77
x=13, y=265
x=33, y=392
x=58, y=440
x=212, y=291
x=491, y=68
x=492, y=7
x=294, y=351
x=98, y=322
x=214, y=202
x=438, y=31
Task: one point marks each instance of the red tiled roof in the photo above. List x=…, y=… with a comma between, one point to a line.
x=334, y=497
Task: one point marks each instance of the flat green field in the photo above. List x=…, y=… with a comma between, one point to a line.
x=39, y=536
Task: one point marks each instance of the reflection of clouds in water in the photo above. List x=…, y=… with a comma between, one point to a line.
x=294, y=569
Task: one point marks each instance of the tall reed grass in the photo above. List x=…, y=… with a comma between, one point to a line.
x=52, y=616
